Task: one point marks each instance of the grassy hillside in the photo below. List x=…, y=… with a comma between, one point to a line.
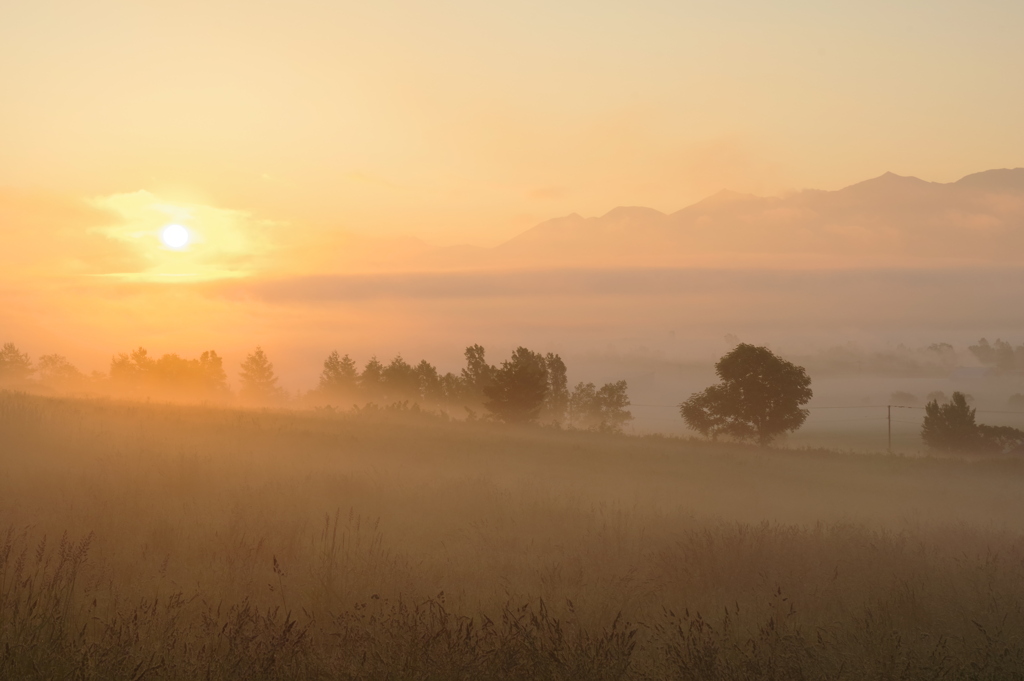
x=172, y=542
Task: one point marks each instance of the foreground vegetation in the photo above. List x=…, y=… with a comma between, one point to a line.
x=171, y=542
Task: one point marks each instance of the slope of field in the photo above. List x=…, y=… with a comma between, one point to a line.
x=204, y=543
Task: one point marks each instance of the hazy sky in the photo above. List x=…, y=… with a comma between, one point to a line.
x=292, y=137
x=469, y=121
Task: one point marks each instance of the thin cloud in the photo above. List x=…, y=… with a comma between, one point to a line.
x=725, y=284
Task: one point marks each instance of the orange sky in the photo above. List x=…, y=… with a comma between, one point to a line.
x=319, y=138
x=469, y=122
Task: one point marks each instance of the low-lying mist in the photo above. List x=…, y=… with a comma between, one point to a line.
x=248, y=544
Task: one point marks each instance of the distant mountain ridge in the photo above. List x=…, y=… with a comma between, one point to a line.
x=887, y=220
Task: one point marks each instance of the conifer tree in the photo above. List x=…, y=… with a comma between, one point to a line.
x=339, y=377
x=258, y=381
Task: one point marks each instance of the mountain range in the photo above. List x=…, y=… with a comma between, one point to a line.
x=890, y=220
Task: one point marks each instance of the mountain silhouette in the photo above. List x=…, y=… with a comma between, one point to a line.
x=1001, y=180
x=890, y=220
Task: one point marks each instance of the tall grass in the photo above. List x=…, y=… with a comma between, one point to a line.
x=204, y=543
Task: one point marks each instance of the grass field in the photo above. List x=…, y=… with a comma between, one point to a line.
x=152, y=541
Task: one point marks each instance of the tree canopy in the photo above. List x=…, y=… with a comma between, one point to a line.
x=56, y=371
x=951, y=427
x=477, y=375
x=556, y=402
x=602, y=409
x=15, y=366
x=257, y=380
x=371, y=381
x=170, y=375
x=518, y=388
x=510, y=393
x=1000, y=355
x=759, y=397
x=528, y=387
x=400, y=380
x=339, y=375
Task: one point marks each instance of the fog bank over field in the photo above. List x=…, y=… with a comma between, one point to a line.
x=672, y=313
x=192, y=531
x=853, y=284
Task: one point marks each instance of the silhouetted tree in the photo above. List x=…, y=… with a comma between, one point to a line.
x=56, y=371
x=175, y=374
x=15, y=366
x=708, y=412
x=951, y=426
x=602, y=409
x=451, y=388
x=1001, y=439
x=556, y=403
x=581, y=402
x=477, y=370
x=517, y=390
x=759, y=397
x=1000, y=354
x=370, y=382
x=339, y=376
x=477, y=375
x=131, y=370
x=400, y=380
x=430, y=389
x=213, y=376
x=612, y=400
x=170, y=376
x=257, y=379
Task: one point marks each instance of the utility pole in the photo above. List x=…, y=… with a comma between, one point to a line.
x=888, y=409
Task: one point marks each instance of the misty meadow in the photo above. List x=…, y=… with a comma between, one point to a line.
x=178, y=542
x=491, y=524
x=511, y=341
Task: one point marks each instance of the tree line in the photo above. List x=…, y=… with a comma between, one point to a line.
x=529, y=387
x=952, y=426
x=761, y=397
x=1000, y=355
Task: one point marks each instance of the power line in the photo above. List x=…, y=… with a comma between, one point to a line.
x=862, y=406
x=844, y=406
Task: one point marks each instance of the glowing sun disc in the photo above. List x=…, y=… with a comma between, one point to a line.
x=174, y=236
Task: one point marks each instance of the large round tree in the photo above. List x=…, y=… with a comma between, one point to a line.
x=759, y=398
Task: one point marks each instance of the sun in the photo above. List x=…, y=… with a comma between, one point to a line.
x=174, y=236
